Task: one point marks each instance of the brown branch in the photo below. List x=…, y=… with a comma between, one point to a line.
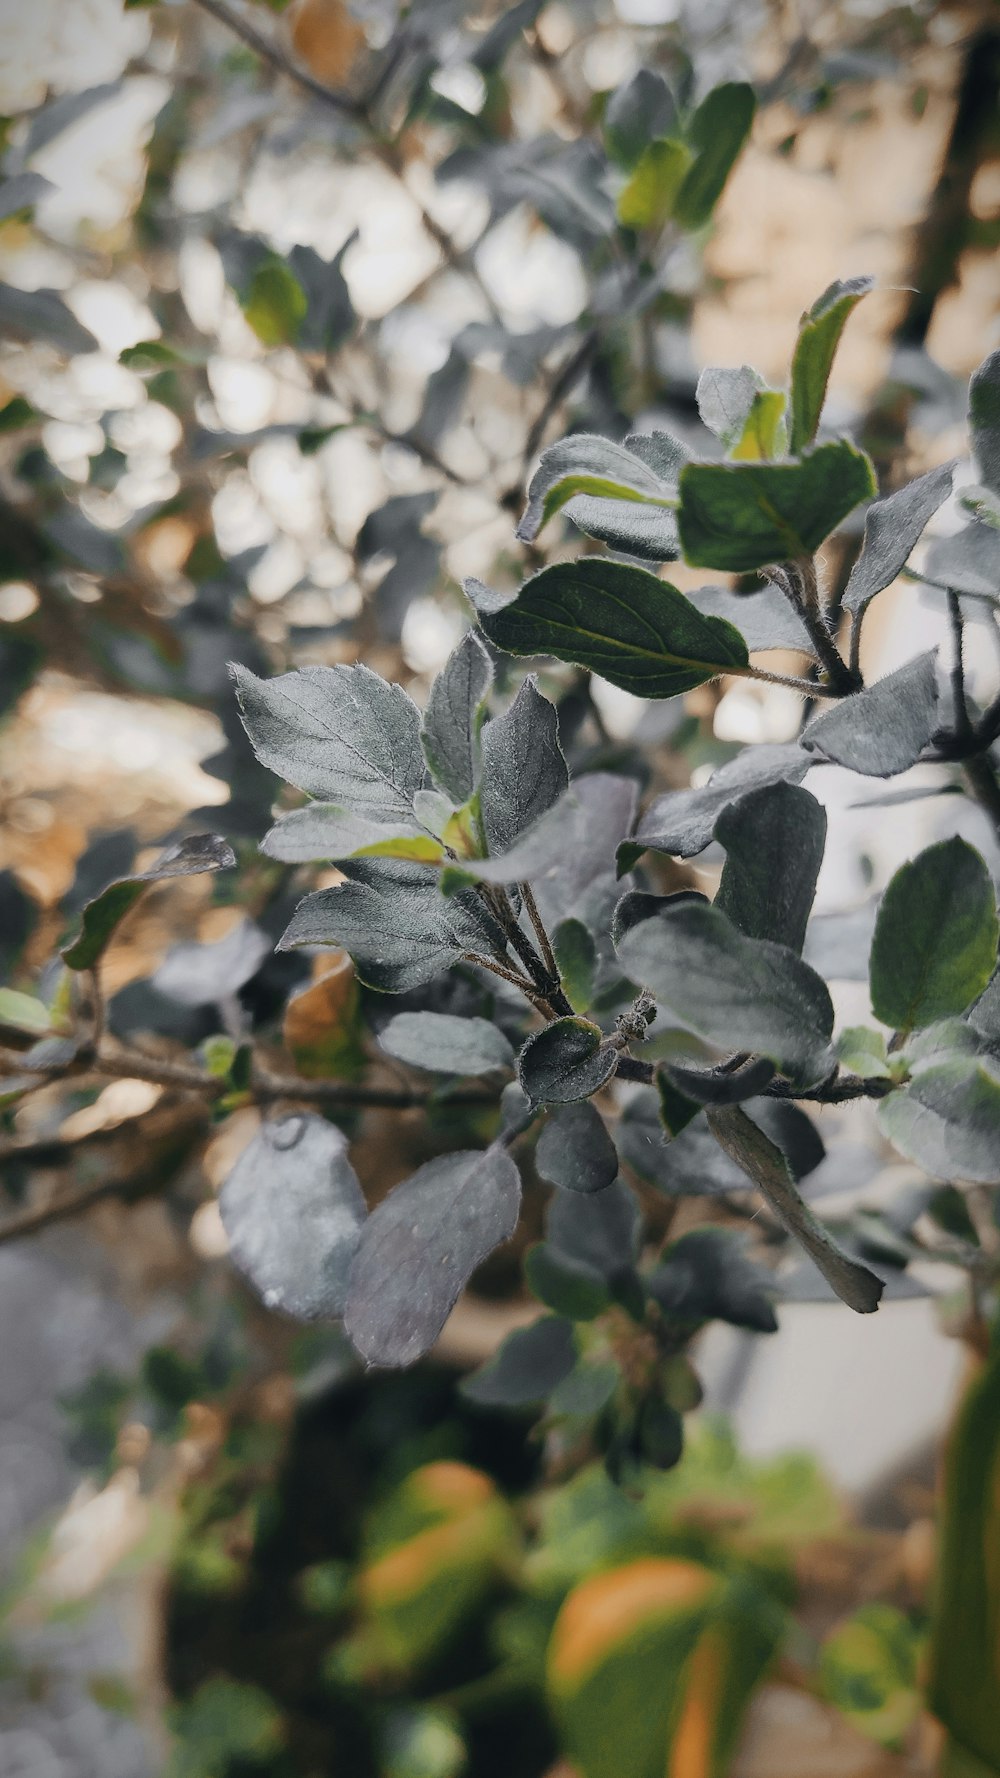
x=265, y=46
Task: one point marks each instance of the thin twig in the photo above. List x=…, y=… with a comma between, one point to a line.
x=960, y=709
x=544, y=942
x=265, y=46
x=799, y=582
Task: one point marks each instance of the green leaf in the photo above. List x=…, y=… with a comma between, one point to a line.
x=576, y=956
x=883, y=729
x=819, y=336
x=574, y=1150
x=22, y=1012
x=570, y=1059
x=201, y=852
x=717, y=133
x=862, y=1051
x=947, y=1119
x=763, y=437
x=639, y=112
x=774, y=840
x=446, y=1044
x=454, y=716
x=636, y=631
x=743, y=516
x=275, y=305
x=763, y=1162
x=935, y=943
x=343, y=734
x=738, y=993
x=150, y=355
x=984, y=420
x=648, y=199
x=16, y=413
x=531, y=1363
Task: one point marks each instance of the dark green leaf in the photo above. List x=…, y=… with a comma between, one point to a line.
x=587, y=1390
x=454, y=717
x=531, y=1363
x=935, y=943
x=707, y=1276
x=396, y=925
x=683, y=822
x=524, y=773
x=576, y=956
x=893, y=527
x=293, y=1211
x=947, y=1119
x=774, y=840
x=421, y=1245
x=621, y=622
x=575, y=1151
x=647, y=201
x=737, y=993
x=275, y=304
x=742, y=516
x=446, y=1044
x=570, y=1059
x=984, y=420
x=200, y=852
x=765, y=1164
x=16, y=413
x=564, y=1285
x=638, y=111
x=819, y=336
x=717, y=133
x=340, y=733
x=884, y=729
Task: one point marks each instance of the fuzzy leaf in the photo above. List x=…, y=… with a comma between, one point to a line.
x=683, y=821
x=984, y=420
x=621, y=622
x=884, y=729
x=392, y=918
x=717, y=133
x=947, y=1119
x=293, y=1211
x=622, y=493
x=737, y=993
x=321, y=831
x=774, y=840
x=454, y=717
x=577, y=960
x=893, y=528
x=568, y=1060
x=574, y=1150
x=742, y=516
x=935, y=943
x=201, y=852
x=819, y=336
x=342, y=734
x=725, y=396
x=446, y=1044
x=420, y=1247
x=524, y=773
x=764, y=618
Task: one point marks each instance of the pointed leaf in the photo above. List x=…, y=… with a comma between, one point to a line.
x=638, y=112
x=392, y=918
x=774, y=840
x=968, y=561
x=947, y=1119
x=717, y=133
x=574, y=1150
x=763, y=437
x=893, y=527
x=454, y=717
x=576, y=957
x=322, y=831
x=524, y=773
x=621, y=622
x=446, y=1044
x=587, y=464
x=683, y=822
x=200, y=852
x=984, y=420
x=420, y=1247
x=884, y=729
x=342, y=734
x=935, y=943
x=764, y=617
x=737, y=993
x=819, y=336
x=293, y=1211
x=647, y=201
x=765, y=1164
x=569, y=1060
x=565, y=849
x=742, y=516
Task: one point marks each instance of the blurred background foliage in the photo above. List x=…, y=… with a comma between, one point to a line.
x=292, y=297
